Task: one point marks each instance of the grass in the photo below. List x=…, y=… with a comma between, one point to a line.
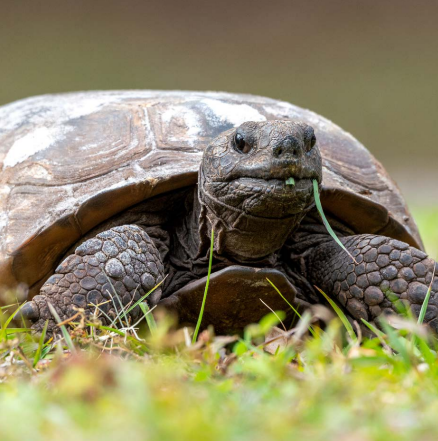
x=204, y=299
x=268, y=384
x=325, y=221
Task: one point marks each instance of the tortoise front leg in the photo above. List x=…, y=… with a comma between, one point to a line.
x=387, y=272
x=119, y=265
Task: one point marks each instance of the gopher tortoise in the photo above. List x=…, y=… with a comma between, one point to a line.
x=105, y=194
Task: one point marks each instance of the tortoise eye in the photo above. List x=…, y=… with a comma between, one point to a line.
x=241, y=145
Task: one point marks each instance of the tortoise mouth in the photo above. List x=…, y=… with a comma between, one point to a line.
x=264, y=198
x=277, y=188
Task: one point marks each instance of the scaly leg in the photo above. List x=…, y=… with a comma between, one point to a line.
x=121, y=265
x=388, y=274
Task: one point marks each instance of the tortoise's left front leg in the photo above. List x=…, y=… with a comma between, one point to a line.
x=387, y=273
x=106, y=274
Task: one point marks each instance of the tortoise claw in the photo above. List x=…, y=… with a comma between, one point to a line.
x=29, y=311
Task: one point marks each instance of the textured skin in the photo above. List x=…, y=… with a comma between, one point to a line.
x=388, y=274
x=122, y=260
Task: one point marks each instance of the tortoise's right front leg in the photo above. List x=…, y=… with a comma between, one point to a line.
x=389, y=275
x=116, y=267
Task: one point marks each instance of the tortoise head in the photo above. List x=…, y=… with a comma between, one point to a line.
x=263, y=169
x=256, y=183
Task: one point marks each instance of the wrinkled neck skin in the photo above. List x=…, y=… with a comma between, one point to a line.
x=238, y=236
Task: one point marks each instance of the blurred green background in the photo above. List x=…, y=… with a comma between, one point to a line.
x=370, y=66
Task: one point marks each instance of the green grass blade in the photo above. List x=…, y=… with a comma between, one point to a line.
x=8, y=306
x=373, y=329
x=5, y=325
x=64, y=331
x=140, y=300
x=201, y=313
x=396, y=342
x=311, y=330
x=149, y=317
x=39, y=351
x=107, y=328
x=118, y=314
x=325, y=221
x=10, y=331
x=426, y=352
x=122, y=312
x=380, y=335
x=341, y=315
x=425, y=301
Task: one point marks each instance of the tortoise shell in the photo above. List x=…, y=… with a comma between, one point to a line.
x=69, y=162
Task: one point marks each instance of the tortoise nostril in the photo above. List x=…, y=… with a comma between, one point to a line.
x=280, y=151
x=289, y=147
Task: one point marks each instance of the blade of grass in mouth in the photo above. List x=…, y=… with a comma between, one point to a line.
x=325, y=221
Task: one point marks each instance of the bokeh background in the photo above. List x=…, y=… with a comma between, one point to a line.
x=371, y=66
